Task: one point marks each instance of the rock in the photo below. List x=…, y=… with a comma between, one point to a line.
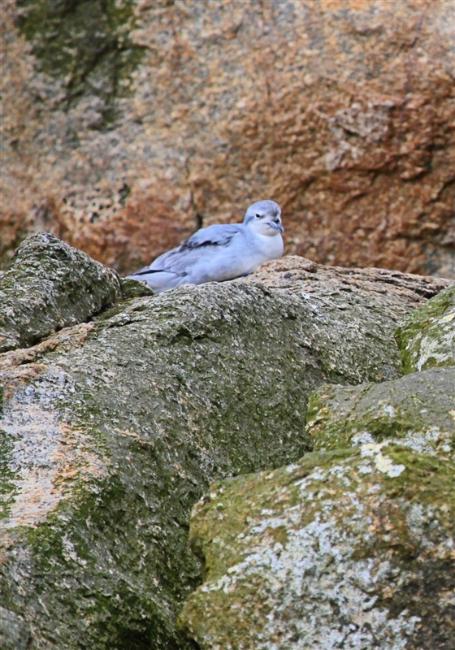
x=351, y=546
x=344, y=549
x=418, y=409
x=49, y=286
x=113, y=428
x=14, y=635
x=127, y=125
x=427, y=339
x=135, y=289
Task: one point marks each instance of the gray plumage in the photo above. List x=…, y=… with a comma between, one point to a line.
x=220, y=252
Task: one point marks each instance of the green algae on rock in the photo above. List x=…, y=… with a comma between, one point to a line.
x=14, y=634
x=361, y=305
x=418, y=409
x=344, y=549
x=427, y=339
x=51, y=285
x=135, y=289
x=352, y=546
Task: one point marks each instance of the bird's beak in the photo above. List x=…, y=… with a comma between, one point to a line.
x=277, y=226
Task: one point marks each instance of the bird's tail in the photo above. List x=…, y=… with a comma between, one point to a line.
x=158, y=279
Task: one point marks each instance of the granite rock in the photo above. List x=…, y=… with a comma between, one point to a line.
x=48, y=286
x=349, y=548
x=427, y=337
x=126, y=125
x=113, y=427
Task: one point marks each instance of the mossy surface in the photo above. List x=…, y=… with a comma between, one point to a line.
x=358, y=540
x=220, y=517
x=50, y=285
x=427, y=338
x=7, y=487
x=108, y=554
x=86, y=45
x=418, y=409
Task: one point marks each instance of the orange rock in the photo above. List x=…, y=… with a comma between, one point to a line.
x=342, y=111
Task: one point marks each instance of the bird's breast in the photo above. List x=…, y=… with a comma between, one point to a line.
x=270, y=247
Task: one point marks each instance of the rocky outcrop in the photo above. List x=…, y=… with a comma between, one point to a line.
x=126, y=125
x=418, y=408
x=49, y=286
x=112, y=428
x=351, y=546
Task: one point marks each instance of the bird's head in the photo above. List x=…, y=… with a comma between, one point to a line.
x=264, y=218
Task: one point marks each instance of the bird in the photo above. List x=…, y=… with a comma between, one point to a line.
x=219, y=252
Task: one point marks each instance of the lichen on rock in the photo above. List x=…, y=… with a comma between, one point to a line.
x=114, y=426
x=417, y=409
x=352, y=545
x=51, y=285
x=334, y=551
x=427, y=338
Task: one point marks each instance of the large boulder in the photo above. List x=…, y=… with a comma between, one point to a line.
x=48, y=286
x=344, y=549
x=113, y=427
x=128, y=123
x=352, y=546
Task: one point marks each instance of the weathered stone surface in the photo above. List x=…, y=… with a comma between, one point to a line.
x=332, y=295
x=49, y=286
x=352, y=546
x=427, y=339
x=418, y=409
x=349, y=549
x=126, y=124
x=14, y=635
x=113, y=428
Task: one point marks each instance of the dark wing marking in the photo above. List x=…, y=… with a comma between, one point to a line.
x=216, y=235
x=148, y=271
x=179, y=260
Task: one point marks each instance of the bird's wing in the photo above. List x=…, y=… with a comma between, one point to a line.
x=216, y=235
x=175, y=265
x=206, y=240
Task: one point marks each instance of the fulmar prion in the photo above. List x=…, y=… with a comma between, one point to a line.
x=220, y=252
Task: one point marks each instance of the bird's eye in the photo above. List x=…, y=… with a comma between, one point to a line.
x=258, y=216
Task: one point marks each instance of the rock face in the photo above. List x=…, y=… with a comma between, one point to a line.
x=126, y=124
x=349, y=549
x=49, y=286
x=427, y=339
x=112, y=428
x=352, y=546
x=420, y=405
